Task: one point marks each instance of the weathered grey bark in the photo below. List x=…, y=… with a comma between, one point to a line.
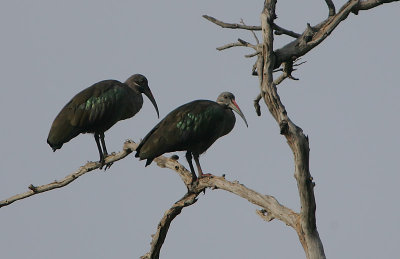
x=129, y=146
x=271, y=208
x=269, y=59
x=298, y=142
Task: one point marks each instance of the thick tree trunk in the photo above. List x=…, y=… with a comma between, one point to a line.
x=298, y=142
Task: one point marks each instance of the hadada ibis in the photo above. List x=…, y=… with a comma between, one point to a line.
x=97, y=108
x=192, y=127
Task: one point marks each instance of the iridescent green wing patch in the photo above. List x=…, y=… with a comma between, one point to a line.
x=197, y=121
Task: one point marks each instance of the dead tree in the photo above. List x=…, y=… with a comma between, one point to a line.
x=268, y=62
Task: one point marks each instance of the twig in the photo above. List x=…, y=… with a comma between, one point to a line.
x=231, y=25
x=287, y=73
x=254, y=34
x=279, y=30
x=230, y=45
x=253, y=54
x=240, y=43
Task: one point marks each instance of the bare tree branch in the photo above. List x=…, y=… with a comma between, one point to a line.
x=252, y=55
x=369, y=4
x=240, y=43
x=230, y=45
x=129, y=146
x=287, y=73
x=257, y=104
x=313, y=36
x=231, y=25
x=270, y=206
x=162, y=228
x=279, y=30
x=268, y=203
x=254, y=34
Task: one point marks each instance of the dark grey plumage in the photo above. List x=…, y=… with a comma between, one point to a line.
x=97, y=108
x=192, y=127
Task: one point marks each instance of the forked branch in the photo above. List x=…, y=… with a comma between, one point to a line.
x=270, y=206
x=279, y=30
x=312, y=35
x=267, y=203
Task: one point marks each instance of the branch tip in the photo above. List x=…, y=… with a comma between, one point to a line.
x=231, y=25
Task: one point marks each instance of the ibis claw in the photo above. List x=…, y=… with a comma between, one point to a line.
x=108, y=165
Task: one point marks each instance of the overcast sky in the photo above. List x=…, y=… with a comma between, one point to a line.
x=347, y=102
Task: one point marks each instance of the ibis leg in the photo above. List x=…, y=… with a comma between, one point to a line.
x=96, y=138
x=196, y=159
x=189, y=159
x=103, y=144
x=105, y=153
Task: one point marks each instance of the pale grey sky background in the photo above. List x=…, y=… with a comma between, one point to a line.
x=347, y=102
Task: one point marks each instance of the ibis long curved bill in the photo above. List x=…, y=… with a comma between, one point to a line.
x=234, y=106
x=149, y=95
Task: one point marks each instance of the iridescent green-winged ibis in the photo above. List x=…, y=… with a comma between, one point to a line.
x=97, y=108
x=192, y=127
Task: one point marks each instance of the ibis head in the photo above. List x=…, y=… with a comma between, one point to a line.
x=228, y=99
x=140, y=82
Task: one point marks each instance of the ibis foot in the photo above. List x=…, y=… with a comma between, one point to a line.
x=108, y=165
x=103, y=163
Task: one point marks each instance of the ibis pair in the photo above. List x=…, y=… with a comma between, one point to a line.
x=192, y=127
